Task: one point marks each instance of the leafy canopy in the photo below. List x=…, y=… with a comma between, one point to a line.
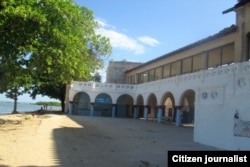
x=47, y=43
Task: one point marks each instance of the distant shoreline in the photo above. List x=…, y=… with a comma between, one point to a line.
x=7, y=107
x=52, y=103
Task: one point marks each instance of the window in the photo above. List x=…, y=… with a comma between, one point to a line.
x=151, y=76
x=166, y=71
x=139, y=78
x=158, y=73
x=197, y=62
x=132, y=79
x=175, y=68
x=228, y=54
x=214, y=58
x=145, y=77
x=187, y=65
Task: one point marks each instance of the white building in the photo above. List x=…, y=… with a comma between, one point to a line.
x=206, y=83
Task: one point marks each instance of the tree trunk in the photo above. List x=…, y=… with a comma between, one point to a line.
x=62, y=105
x=15, y=103
x=62, y=97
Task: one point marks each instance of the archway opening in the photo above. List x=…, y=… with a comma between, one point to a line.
x=81, y=104
x=152, y=104
x=140, y=106
x=169, y=106
x=188, y=107
x=124, y=106
x=103, y=105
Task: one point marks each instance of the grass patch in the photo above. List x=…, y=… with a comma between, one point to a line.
x=26, y=118
x=44, y=116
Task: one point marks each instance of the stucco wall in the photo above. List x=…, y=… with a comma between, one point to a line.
x=217, y=101
x=219, y=93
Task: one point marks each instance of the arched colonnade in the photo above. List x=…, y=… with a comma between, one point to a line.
x=166, y=106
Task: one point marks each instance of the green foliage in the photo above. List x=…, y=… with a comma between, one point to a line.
x=49, y=103
x=97, y=77
x=45, y=44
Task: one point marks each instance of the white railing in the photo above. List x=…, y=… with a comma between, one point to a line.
x=201, y=76
x=97, y=86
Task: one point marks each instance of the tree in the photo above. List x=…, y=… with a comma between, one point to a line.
x=97, y=77
x=51, y=42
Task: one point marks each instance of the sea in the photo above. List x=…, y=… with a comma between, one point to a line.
x=7, y=107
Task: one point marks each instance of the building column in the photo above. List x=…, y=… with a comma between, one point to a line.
x=146, y=112
x=159, y=113
x=113, y=110
x=70, y=108
x=92, y=109
x=75, y=108
x=178, y=115
x=135, y=112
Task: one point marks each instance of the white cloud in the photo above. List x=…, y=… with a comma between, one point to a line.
x=148, y=40
x=122, y=41
x=104, y=24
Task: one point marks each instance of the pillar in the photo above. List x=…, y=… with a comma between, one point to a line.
x=178, y=116
x=70, y=108
x=92, y=109
x=113, y=110
x=159, y=113
x=66, y=100
x=146, y=113
x=135, y=112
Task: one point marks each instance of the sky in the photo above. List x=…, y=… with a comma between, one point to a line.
x=141, y=30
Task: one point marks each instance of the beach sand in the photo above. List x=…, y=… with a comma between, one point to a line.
x=80, y=141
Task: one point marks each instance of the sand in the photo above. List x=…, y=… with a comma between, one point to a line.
x=81, y=141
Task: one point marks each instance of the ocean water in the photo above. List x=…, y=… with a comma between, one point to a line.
x=7, y=107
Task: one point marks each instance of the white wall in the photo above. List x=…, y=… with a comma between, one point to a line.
x=214, y=117
x=218, y=94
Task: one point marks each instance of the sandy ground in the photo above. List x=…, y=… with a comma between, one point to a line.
x=60, y=140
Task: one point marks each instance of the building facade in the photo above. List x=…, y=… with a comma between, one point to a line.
x=206, y=83
x=116, y=71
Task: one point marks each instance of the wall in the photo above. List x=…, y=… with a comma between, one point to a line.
x=222, y=93
x=116, y=69
x=219, y=93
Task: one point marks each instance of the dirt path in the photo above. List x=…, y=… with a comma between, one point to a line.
x=59, y=140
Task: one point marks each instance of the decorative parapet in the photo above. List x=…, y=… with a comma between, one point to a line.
x=97, y=86
x=200, y=76
x=222, y=71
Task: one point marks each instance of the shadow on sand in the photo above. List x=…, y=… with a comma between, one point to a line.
x=102, y=141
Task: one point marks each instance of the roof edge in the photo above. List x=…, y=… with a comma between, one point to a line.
x=221, y=33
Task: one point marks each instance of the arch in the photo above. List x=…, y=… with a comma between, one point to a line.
x=103, y=105
x=140, y=105
x=152, y=104
x=81, y=104
x=169, y=106
x=188, y=106
x=124, y=106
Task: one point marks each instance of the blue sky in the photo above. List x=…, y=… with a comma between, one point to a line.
x=141, y=30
